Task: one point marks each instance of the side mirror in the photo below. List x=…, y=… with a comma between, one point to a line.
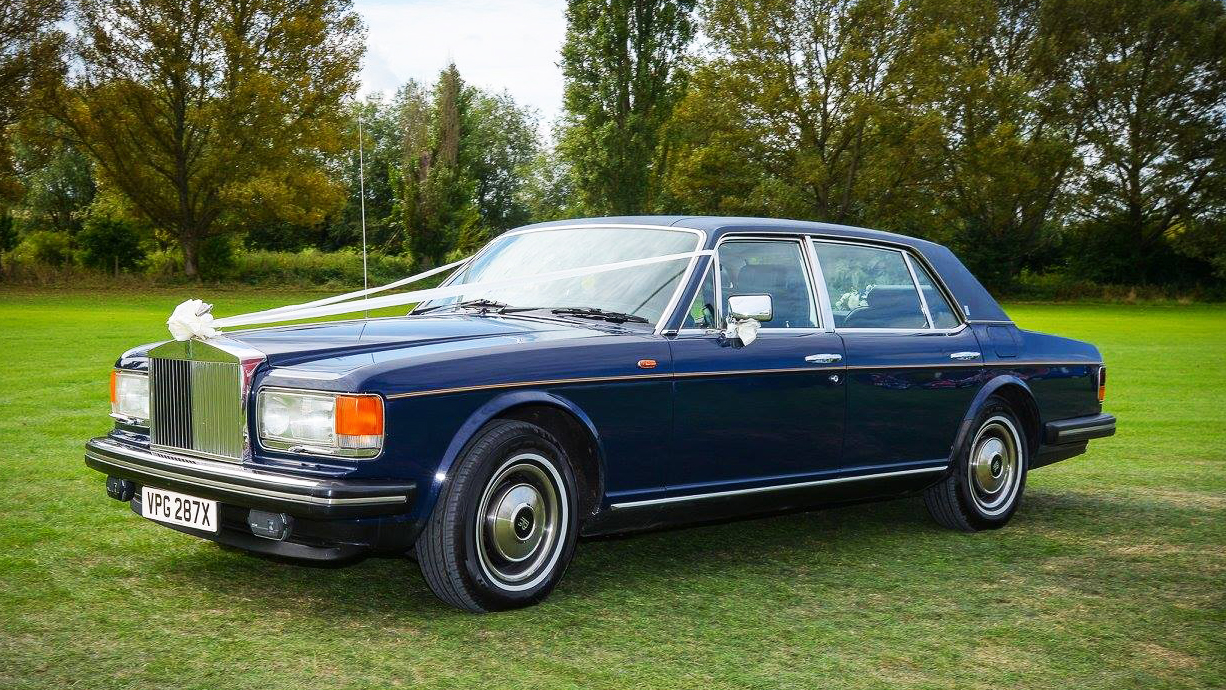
x=756, y=307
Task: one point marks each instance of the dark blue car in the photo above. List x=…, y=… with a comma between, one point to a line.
x=798, y=365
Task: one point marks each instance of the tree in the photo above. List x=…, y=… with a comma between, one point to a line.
x=1005, y=123
x=1156, y=79
x=57, y=180
x=467, y=157
x=439, y=193
x=209, y=114
x=622, y=66
x=781, y=120
x=29, y=55
x=381, y=158
x=504, y=140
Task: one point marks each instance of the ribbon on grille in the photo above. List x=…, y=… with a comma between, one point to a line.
x=194, y=318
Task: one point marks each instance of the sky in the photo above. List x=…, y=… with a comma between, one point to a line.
x=496, y=44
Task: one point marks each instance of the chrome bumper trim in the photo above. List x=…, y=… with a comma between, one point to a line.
x=1080, y=429
x=107, y=455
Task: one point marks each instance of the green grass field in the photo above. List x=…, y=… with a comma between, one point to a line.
x=1111, y=575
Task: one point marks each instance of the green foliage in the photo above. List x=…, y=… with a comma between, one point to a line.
x=110, y=243
x=622, y=65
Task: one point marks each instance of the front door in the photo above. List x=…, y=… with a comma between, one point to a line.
x=771, y=412
x=913, y=368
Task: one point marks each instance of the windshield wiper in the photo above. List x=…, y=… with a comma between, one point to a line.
x=597, y=313
x=481, y=304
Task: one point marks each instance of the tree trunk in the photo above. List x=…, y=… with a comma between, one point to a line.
x=191, y=255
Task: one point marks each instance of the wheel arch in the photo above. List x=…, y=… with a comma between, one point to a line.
x=1020, y=398
x=561, y=417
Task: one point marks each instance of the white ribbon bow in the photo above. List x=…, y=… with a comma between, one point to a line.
x=745, y=329
x=192, y=318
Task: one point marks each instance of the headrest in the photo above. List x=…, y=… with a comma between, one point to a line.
x=900, y=297
x=768, y=278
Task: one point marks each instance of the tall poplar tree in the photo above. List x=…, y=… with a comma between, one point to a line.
x=208, y=114
x=622, y=62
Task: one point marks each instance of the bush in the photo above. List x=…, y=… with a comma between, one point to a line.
x=110, y=244
x=314, y=268
x=1062, y=287
x=46, y=248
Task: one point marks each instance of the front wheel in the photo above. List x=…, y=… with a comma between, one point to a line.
x=504, y=528
x=985, y=485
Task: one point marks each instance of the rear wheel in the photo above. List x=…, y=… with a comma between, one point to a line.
x=503, y=530
x=989, y=473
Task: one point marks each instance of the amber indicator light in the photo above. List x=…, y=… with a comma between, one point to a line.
x=1102, y=384
x=647, y=364
x=359, y=415
x=114, y=376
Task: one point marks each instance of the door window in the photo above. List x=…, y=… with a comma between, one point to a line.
x=702, y=313
x=769, y=267
x=943, y=315
x=870, y=287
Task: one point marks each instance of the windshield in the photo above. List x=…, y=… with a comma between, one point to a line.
x=642, y=291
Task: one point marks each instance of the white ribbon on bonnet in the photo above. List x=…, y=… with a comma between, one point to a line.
x=194, y=318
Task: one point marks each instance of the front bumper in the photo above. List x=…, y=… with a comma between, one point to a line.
x=239, y=485
x=332, y=519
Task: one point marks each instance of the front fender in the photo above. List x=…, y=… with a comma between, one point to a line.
x=492, y=409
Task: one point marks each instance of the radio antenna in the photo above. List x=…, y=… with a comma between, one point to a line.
x=362, y=199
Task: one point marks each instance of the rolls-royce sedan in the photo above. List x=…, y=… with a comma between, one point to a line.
x=773, y=365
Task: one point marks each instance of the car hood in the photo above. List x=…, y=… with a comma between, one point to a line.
x=346, y=345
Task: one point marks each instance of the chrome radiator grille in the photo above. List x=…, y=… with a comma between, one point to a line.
x=196, y=407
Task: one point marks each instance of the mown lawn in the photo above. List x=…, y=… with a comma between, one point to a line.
x=1112, y=574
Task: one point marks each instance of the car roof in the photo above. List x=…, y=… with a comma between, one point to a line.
x=716, y=226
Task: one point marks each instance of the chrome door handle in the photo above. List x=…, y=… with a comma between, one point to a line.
x=965, y=355
x=824, y=358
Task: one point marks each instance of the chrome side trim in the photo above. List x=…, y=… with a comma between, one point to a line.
x=906, y=257
x=773, y=487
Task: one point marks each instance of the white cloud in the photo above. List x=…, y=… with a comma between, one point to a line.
x=496, y=44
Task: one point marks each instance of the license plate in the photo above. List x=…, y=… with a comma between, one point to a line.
x=179, y=509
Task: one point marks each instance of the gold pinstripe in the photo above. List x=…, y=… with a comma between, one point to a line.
x=737, y=372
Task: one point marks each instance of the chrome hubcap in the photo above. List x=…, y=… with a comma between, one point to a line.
x=513, y=526
x=521, y=520
x=994, y=469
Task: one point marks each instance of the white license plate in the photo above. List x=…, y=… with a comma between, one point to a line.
x=179, y=509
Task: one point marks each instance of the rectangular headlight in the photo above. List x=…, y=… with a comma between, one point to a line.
x=340, y=424
x=130, y=395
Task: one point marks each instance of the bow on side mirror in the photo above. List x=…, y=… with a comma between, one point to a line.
x=756, y=307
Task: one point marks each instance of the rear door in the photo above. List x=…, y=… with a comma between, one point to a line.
x=913, y=366
x=766, y=413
